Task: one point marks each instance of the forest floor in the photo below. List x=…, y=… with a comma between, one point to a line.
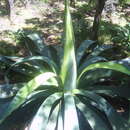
x=47, y=19
x=39, y=17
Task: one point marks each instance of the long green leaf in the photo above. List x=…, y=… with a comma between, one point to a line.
x=60, y=124
x=68, y=68
x=55, y=55
x=121, y=91
x=38, y=42
x=99, y=49
x=41, y=48
x=40, y=94
x=94, y=76
x=82, y=48
x=36, y=45
x=70, y=122
x=33, y=58
x=10, y=60
x=107, y=65
x=24, y=92
x=52, y=122
x=59, y=49
x=90, y=61
x=117, y=122
x=41, y=119
x=95, y=118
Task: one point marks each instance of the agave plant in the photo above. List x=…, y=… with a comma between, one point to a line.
x=69, y=101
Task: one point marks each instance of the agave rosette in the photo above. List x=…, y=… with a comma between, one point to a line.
x=68, y=102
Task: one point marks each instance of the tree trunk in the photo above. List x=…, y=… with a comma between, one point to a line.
x=95, y=29
x=73, y=2
x=10, y=8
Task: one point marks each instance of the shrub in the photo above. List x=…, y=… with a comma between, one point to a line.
x=122, y=36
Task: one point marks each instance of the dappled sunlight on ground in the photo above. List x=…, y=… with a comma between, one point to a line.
x=38, y=16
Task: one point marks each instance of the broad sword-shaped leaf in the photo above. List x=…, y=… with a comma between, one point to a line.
x=68, y=68
x=22, y=94
x=41, y=119
x=107, y=65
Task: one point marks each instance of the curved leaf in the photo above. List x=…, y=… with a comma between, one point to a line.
x=116, y=121
x=94, y=76
x=36, y=45
x=82, y=48
x=37, y=40
x=41, y=119
x=99, y=49
x=94, y=117
x=24, y=92
x=41, y=48
x=107, y=65
x=52, y=121
x=60, y=119
x=121, y=91
x=55, y=55
x=59, y=50
x=10, y=60
x=90, y=61
x=33, y=58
